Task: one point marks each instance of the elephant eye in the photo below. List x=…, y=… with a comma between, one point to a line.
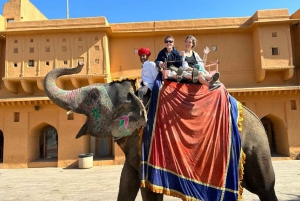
x=94, y=96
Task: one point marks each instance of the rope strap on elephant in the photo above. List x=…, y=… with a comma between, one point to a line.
x=191, y=146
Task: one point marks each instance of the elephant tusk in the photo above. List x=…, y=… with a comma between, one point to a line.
x=69, y=112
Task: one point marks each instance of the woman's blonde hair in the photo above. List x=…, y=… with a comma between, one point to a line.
x=193, y=40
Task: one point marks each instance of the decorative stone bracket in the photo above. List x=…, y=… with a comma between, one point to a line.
x=287, y=72
x=28, y=83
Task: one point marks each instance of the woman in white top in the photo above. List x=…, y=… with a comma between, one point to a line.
x=193, y=65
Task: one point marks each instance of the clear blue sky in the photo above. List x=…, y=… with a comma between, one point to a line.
x=118, y=11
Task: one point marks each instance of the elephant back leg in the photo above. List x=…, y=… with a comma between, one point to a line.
x=148, y=195
x=259, y=176
x=129, y=183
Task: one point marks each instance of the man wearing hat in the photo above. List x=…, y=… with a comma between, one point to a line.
x=149, y=73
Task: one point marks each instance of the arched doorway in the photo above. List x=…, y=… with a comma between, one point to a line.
x=48, y=142
x=277, y=135
x=1, y=146
x=270, y=133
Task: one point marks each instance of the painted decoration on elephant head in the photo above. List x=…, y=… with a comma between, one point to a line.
x=101, y=108
x=98, y=105
x=122, y=126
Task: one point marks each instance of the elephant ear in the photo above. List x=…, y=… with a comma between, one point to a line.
x=128, y=117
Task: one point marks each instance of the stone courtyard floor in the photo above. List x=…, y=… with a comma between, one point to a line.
x=101, y=183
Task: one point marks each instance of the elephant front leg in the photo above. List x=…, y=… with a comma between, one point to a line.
x=129, y=183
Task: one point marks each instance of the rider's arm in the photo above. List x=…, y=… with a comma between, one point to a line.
x=159, y=60
x=177, y=58
x=200, y=62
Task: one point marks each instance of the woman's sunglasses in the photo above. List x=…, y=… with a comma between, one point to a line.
x=168, y=41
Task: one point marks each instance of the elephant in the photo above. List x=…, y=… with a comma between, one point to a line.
x=103, y=103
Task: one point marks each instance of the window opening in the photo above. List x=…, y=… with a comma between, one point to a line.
x=96, y=61
x=16, y=50
x=31, y=50
x=64, y=48
x=80, y=48
x=96, y=47
x=16, y=117
x=47, y=63
x=274, y=34
x=47, y=49
x=275, y=51
x=79, y=39
x=16, y=41
x=47, y=40
x=15, y=64
x=71, y=116
x=65, y=62
x=31, y=40
x=31, y=63
x=293, y=105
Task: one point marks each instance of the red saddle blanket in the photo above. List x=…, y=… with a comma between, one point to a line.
x=189, y=150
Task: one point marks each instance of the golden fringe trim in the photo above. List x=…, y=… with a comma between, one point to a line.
x=241, y=116
x=241, y=174
x=243, y=155
x=161, y=190
x=140, y=141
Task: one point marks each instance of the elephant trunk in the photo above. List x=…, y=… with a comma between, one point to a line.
x=59, y=96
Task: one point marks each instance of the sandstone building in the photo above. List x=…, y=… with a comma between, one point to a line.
x=259, y=66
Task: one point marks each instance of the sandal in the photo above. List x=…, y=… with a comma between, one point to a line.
x=195, y=73
x=214, y=78
x=214, y=86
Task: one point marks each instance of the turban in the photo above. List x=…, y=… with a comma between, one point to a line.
x=145, y=51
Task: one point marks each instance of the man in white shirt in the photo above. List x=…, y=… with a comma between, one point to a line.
x=149, y=73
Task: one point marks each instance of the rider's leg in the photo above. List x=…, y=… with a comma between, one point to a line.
x=173, y=75
x=195, y=76
x=166, y=73
x=187, y=75
x=179, y=74
x=202, y=80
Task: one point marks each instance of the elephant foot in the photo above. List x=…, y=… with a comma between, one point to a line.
x=148, y=195
x=269, y=197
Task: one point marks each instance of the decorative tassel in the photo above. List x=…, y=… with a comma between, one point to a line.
x=140, y=141
x=241, y=174
x=241, y=116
